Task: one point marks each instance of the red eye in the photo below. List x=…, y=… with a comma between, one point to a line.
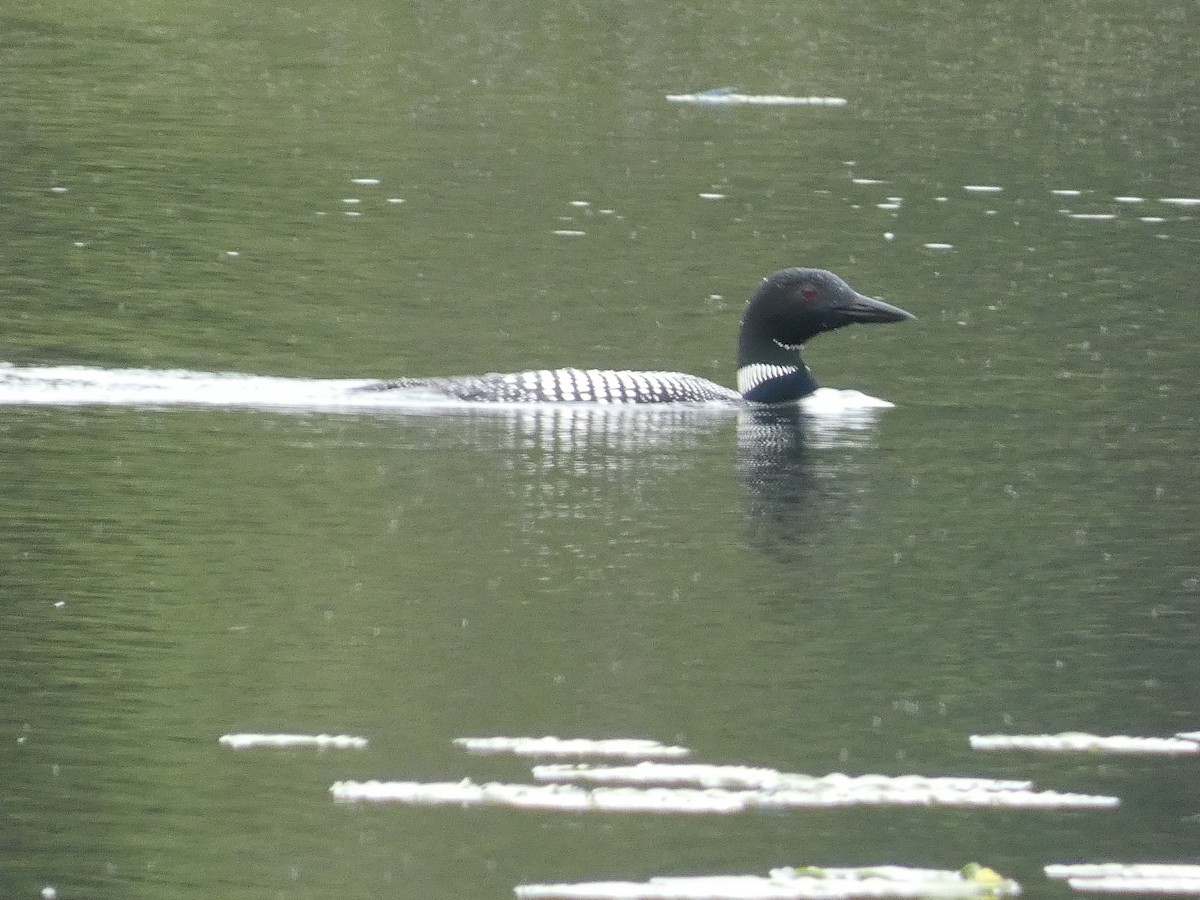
x=808, y=292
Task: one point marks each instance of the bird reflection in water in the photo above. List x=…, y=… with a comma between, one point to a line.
x=796, y=472
x=633, y=466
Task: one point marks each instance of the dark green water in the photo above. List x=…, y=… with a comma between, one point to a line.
x=1013, y=548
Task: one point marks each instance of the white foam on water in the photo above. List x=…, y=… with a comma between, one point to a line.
x=713, y=776
x=288, y=741
x=90, y=386
x=789, y=883
x=715, y=98
x=628, y=748
x=1077, y=742
x=1175, y=887
x=1125, y=870
x=1129, y=878
x=827, y=794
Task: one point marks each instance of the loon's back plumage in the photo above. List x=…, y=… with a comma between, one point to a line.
x=787, y=309
x=570, y=386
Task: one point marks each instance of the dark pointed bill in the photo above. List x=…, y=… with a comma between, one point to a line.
x=867, y=309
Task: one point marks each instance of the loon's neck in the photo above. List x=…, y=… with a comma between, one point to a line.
x=768, y=371
x=775, y=383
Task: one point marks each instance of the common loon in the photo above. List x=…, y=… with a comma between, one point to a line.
x=787, y=309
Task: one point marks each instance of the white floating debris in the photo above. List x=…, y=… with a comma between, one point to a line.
x=983, y=188
x=1124, y=870
x=888, y=236
x=938, y=246
x=1076, y=742
x=888, y=205
x=462, y=793
x=320, y=741
x=953, y=798
x=364, y=181
x=713, y=776
x=695, y=801
x=1154, y=220
x=1179, y=887
x=1092, y=217
x=233, y=253
x=1066, y=193
x=581, y=204
x=395, y=200
x=1174, y=201
x=353, y=213
x=568, y=232
x=351, y=200
x=791, y=884
x=49, y=892
x=63, y=190
x=867, y=181
x=712, y=196
x=728, y=97
x=1136, y=878
x=626, y=748
x=1129, y=199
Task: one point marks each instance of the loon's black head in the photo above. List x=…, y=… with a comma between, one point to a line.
x=788, y=308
